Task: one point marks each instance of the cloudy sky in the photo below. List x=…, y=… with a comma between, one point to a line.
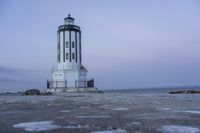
x=126, y=43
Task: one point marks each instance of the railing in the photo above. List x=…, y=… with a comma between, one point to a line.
x=63, y=84
x=56, y=84
x=69, y=27
x=81, y=84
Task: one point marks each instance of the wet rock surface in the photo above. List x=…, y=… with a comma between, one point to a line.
x=109, y=112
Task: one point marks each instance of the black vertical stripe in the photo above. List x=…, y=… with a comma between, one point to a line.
x=80, y=47
x=58, y=48
x=63, y=46
x=76, y=44
x=70, y=51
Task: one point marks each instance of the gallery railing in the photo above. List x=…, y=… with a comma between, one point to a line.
x=63, y=84
x=56, y=84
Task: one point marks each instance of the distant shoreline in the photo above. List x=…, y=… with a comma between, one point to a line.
x=136, y=91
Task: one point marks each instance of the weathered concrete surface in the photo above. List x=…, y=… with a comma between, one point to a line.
x=86, y=113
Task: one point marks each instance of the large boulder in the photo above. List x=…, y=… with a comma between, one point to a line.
x=185, y=92
x=177, y=92
x=32, y=92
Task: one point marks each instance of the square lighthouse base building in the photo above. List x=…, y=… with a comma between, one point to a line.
x=70, y=78
x=70, y=75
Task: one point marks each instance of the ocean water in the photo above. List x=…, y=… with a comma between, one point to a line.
x=135, y=91
x=151, y=90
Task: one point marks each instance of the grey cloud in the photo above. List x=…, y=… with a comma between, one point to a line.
x=6, y=70
x=8, y=80
x=14, y=75
x=10, y=70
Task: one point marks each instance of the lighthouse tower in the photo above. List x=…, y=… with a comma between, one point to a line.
x=70, y=74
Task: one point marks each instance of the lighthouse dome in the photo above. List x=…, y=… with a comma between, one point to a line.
x=69, y=20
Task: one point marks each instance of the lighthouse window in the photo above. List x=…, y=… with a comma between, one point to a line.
x=67, y=45
x=67, y=55
x=73, y=44
x=73, y=56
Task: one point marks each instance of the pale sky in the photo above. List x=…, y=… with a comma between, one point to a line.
x=126, y=43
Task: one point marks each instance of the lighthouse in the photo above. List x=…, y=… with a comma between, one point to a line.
x=70, y=75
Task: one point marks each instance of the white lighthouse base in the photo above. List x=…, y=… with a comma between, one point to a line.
x=73, y=90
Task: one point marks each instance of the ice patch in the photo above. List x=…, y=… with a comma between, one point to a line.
x=72, y=127
x=2, y=108
x=60, y=117
x=193, y=112
x=133, y=123
x=111, y=131
x=49, y=104
x=105, y=107
x=178, y=129
x=120, y=109
x=57, y=104
x=46, y=125
x=188, y=111
x=71, y=124
x=84, y=107
x=64, y=111
x=93, y=116
x=37, y=126
x=11, y=101
x=155, y=102
x=165, y=109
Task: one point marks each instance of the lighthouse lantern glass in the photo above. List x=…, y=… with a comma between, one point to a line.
x=69, y=22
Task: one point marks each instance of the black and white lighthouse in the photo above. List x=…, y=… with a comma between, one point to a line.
x=70, y=74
